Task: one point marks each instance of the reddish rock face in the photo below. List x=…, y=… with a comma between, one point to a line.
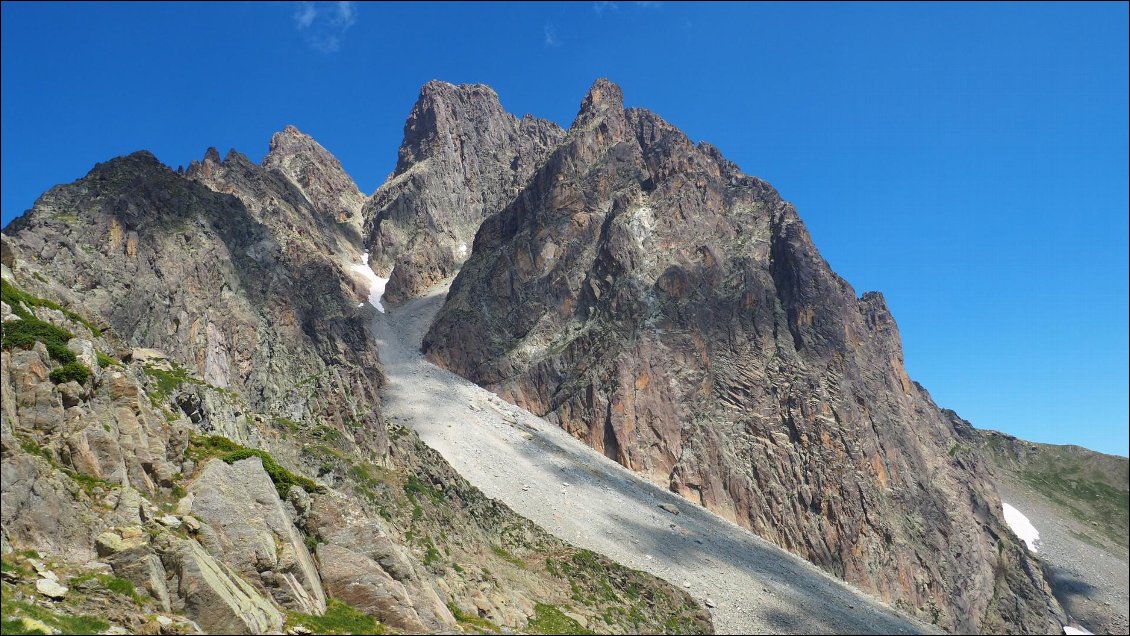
x=462, y=158
x=674, y=313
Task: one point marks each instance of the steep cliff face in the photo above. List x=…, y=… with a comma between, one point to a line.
x=463, y=157
x=191, y=436
x=674, y=313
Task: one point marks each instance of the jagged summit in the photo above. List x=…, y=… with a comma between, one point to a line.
x=462, y=157
x=604, y=98
x=317, y=173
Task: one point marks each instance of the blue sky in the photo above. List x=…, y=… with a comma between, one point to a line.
x=967, y=160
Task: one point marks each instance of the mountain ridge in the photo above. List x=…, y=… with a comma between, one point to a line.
x=569, y=266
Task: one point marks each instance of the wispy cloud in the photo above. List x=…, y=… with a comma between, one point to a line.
x=551, y=36
x=648, y=4
x=323, y=24
x=601, y=7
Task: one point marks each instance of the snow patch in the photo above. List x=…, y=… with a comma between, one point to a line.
x=1075, y=630
x=376, y=283
x=1021, y=526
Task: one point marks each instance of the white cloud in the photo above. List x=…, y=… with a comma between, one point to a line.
x=323, y=24
x=601, y=7
x=551, y=36
x=305, y=15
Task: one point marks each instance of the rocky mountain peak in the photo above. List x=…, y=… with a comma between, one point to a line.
x=291, y=141
x=674, y=314
x=603, y=99
x=317, y=174
x=444, y=110
x=463, y=158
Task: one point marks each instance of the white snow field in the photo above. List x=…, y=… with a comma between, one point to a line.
x=1021, y=526
x=376, y=283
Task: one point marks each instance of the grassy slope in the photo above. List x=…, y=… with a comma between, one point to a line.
x=1091, y=487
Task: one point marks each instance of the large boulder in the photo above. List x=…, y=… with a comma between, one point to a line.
x=254, y=533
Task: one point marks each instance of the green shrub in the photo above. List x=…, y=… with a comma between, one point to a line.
x=205, y=447
x=21, y=302
x=76, y=371
x=550, y=620
x=282, y=477
x=26, y=332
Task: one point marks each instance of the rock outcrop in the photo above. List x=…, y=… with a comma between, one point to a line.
x=674, y=313
x=463, y=157
x=253, y=532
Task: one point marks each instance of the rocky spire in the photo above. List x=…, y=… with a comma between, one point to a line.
x=317, y=173
x=604, y=100
x=462, y=159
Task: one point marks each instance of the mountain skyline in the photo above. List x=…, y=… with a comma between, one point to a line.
x=942, y=175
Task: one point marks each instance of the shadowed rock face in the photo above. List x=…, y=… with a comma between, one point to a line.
x=242, y=290
x=674, y=313
x=463, y=157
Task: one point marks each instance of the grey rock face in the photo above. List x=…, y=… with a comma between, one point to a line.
x=211, y=594
x=254, y=533
x=463, y=157
x=674, y=313
x=364, y=563
x=317, y=173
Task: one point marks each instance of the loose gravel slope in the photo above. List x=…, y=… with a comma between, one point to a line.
x=592, y=502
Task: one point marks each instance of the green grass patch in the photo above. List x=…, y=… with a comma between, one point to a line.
x=431, y=554
x=287, y=424
x=166, y=381
x=507, y=556
x=548, y=619
x=32, y=447
x=106, y=361
x=14, y=611
x=22, y=302
x=201, y=448
x=110, y=582
x=480, y=624
x=10, y=567
x=1085, y=499
x=71, y=371
x=414, y=487
x=338, y=619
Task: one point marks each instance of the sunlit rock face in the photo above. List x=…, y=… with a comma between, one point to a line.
x=463, y=157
